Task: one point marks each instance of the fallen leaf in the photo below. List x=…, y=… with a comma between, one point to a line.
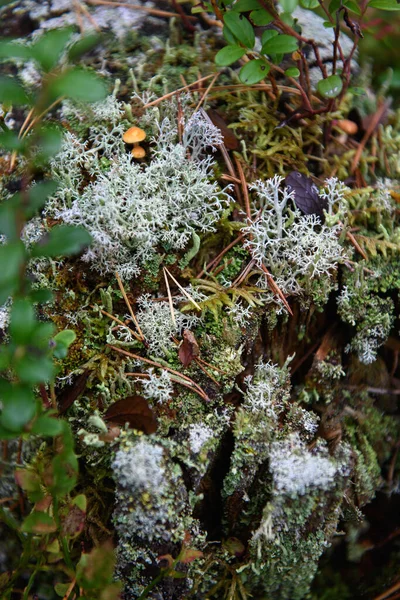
x=133, y=410
x=306, y=194
x=71, y=392
x=230, y=140
x=189, y=349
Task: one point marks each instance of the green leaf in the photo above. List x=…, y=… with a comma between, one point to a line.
x=280, y=44
x=353, y=6
x=41, y=296
x=39, y=523
x=85, y=44
x=49, y=47
x=12, y=92
x=330, y=87
x=241, y=28
x=267, y=35
x=309, y=3
x=19, y=407
x=292, y=72
x=229, y=37
x=61, y=589
x=328, y=25
x=62, y=240
x=261, y=17
x=81, y=502
x=289, y=5
x=63, y=341
x=22, y=322
x=12, y=49
x=229, y=55
x=33, y=369
x=5, y=357
x=11, y=141
x=254, y=71
x=30, y=482
x=12, y=256
x=79, y=85
x=385, y=4
x=38, y=195
x=48, y=141
x=246, y=5
x=64, y=473
x=287, y=18
x=48, y=426
x=334, y=6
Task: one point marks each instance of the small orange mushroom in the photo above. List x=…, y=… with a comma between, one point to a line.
x=347, y=126
x=138, y=152
x=134, y=135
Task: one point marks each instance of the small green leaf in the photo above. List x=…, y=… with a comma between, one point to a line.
x=49, y=46
x=85, y=44
x=281, y=44
x=79, y=85
x=33, y=369
x=241, y=28
x=64, y=473
x=12, y=92
x=229, y=37
x=229, y=55
x=39, y=523
x=62, y=240
x=287, y=18
x=385, y=4
x=22, y=322
x=63, y=341
x=38, y=194
x=12, y=49
x=81, y=502
x=328, y=25
x=61, y=589
x=334, y=5
x=292, y=72
x=12, y=256
x=267, y=35
x=254, y=71
x=48, y=141
x=41, y=296
x=289, y=5
x=309, y=3
x=353, y=6
x=330, y=87
x=11, y=141
x=19, y=407
x=357, y=91
x=246, y=5
x=261, y=17
x=48, y=426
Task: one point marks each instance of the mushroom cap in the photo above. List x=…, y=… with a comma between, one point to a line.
x=133, y=135
x=138, y=152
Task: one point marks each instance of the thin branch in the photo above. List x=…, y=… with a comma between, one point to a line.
x=170, y=302
x=128, y=304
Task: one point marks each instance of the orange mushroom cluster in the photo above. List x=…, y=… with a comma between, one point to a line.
x=135, y=135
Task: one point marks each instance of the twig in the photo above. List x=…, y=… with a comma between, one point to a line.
x=152, y=11
x=204, y=96
x=105, y=313
x=184, y=292
x=192, y=384
x=276, y=289
x=171, y=304
x=185, y=87
x=128, y=304
x=244, y=188
x=214, y=262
